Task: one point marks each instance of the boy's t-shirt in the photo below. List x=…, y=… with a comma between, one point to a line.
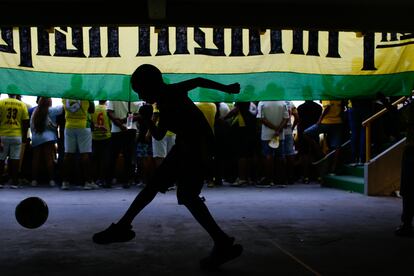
x=101, y=122
x=76, y=113
x=12, y=113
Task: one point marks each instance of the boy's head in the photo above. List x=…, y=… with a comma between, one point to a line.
x=147, y=82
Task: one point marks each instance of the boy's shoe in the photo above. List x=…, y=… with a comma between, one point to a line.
x=114, y=233
x=264, y=183
x=240, y=183
x=106, y=184
x=90, y=186
x=172, y=188
x=65, y=185
x=218, y=182
x=211, y=184
x=404, y=230
x=220, y=255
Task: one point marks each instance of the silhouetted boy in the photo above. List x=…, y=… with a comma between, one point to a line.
x=184, y=165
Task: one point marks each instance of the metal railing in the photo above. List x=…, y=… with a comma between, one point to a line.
x=367, y=124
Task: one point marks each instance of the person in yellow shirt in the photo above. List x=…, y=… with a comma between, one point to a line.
x=101, y=143
x=331, y=124
x=14, y=123
x=78, y=138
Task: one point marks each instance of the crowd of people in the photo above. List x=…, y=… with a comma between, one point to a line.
x=100, y=145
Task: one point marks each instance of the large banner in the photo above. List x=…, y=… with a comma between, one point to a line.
x=96, y=62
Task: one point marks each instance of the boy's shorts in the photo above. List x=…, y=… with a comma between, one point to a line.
x=78, y=139
x=184, y=168
x=11, y=147
x=266, y=149
x=287, y=146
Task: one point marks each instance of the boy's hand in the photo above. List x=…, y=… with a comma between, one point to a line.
x=233, y=88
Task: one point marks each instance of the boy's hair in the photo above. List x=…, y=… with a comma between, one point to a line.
x=145, y=77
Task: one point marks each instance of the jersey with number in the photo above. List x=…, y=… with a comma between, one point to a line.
x=101, y=123
x=76, y=113
x=12, y=113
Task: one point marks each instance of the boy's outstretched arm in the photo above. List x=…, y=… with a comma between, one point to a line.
x=188, y=85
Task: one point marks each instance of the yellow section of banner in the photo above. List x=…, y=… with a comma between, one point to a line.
x=119, y=50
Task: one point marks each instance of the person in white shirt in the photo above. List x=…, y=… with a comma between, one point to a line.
x=273, y=116
x=123, y=137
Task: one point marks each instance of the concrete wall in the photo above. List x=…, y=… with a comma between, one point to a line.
x=382, y=174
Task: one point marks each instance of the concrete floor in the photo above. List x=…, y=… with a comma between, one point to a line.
x=298, y=230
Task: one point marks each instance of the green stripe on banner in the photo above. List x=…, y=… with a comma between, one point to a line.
x=254, y=86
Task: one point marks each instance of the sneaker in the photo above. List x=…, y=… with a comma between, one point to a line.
x=211, y=184
x=1, y=186
x=34, y=183
x=220, y=255
x=280, y=186
x=14, y=186
x=404, y=230
x=114, y=233
x=240, y=183
x=106, y=184
x=23, y=181
x=264, y=183
x=218, y=182
x=52, y=183
x=172, y=188
x=90, y=186
x=65, y=185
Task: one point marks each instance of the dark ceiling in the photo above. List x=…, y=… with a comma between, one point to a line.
x=345, y=15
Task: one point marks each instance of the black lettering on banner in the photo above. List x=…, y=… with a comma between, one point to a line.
x=333, y=44
x=25, y=47
x=181, y=47
x=95, y=42
x=313, y=43
x=163, y=42
x=144, y=42
x=392, y=37
x=43, y=47
x=113, y=42
x=77, y=41
x=297, y=48
x=395, y=40
x=405, y=36
x=254, y=43
x=218, y=40
x=369, y=52
x=7, y=36
x=236, y=42
x=276, y=42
